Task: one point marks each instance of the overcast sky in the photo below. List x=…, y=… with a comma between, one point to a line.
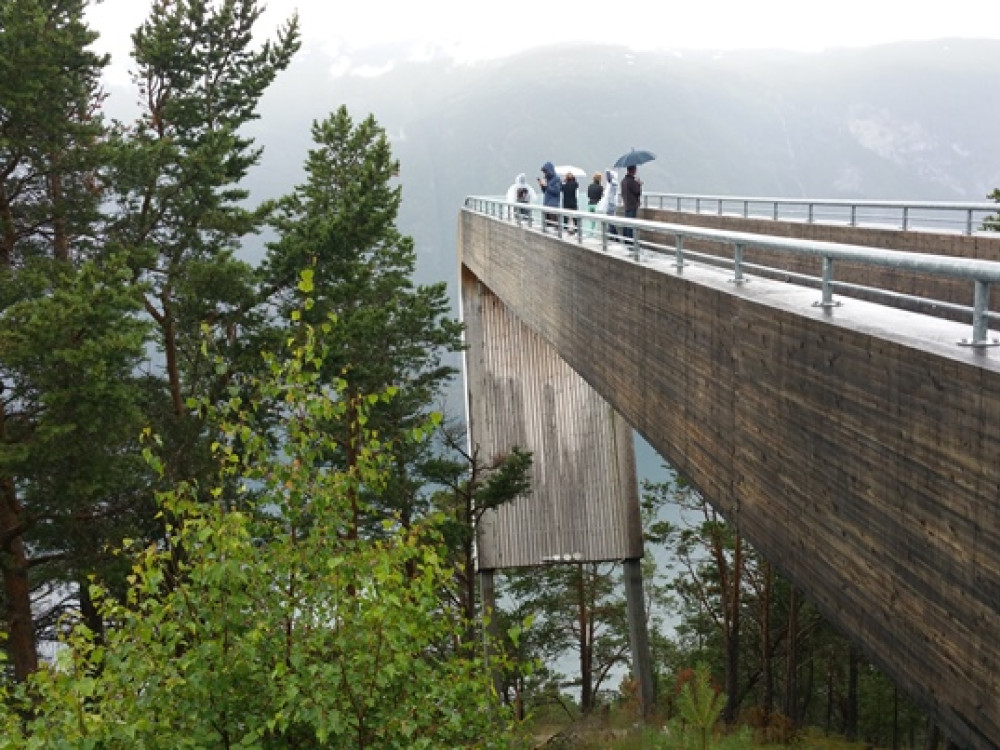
x=356, y=34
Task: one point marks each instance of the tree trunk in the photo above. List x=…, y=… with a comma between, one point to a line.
x=831, y=688
x=586, y=671
x=91, y=617
x=933, y=740
x=791, y=662
x=8, y=231
x=468, y=594
x=806, y=690
x=733, y=636
x=173, y=365
x=767, y=659
x=851, y=710
x=17, y=591
x=13, y=559
x=60, y=234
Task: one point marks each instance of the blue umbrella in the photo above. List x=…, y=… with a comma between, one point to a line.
x=634, y=158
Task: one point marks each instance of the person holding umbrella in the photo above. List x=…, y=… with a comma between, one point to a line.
x=631, y=185
x=631, y=192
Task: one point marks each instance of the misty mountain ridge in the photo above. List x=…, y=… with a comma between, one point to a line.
x=907, y=121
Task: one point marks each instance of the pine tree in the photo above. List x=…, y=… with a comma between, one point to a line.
x=179, y=206
x=75, y=326
x=69, y=341
x=471, y=486
x=341, y=223
x=581, y=610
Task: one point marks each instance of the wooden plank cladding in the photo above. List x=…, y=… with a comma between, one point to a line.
x=584, y=501
x=857, y=448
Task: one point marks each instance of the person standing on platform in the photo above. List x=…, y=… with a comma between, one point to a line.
x=611, y=196
x=569, y=200
x=522, y=192
x=631, y=193
x=595, y=191
x=551, y=187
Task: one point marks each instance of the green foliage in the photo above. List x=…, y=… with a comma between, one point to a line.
x=700, y=704
x=179, y=211
x=992, y=223
x=49, y=130
x=266, y=626
x=74, y=410
x=70, y=337
x=578, y=609
x=340, y=224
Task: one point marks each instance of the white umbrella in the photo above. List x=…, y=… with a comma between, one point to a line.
x=565, y=168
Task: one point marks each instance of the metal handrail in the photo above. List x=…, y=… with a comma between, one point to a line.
x=982, y=273
x=964, y=218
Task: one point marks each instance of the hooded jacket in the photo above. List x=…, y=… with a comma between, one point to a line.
x=521, y=181
x=552, y=193
x=611, y=194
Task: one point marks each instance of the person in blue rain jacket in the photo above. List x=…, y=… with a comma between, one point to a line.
x=551, y=187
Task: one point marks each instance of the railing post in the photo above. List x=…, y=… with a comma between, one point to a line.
x=906, y=218
x=827, y=297
x=738, y=263
x=980, y=317
x=774, y=211
x=746, y=209
x=679, y=252
x=854, y=215
x=811, y=213
x=968, y=222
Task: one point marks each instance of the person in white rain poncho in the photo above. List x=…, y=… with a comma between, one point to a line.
x=609, y=202
x=522, y=192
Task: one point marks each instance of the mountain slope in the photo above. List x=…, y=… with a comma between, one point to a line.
x=912, y=121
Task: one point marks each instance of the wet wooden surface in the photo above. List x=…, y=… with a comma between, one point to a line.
x=857, y=448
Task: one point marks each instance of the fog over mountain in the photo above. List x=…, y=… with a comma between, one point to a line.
x=913, y=121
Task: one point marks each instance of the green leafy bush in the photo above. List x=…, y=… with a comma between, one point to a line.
x=258, y=622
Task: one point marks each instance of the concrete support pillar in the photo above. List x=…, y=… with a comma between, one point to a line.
x=642, y=667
